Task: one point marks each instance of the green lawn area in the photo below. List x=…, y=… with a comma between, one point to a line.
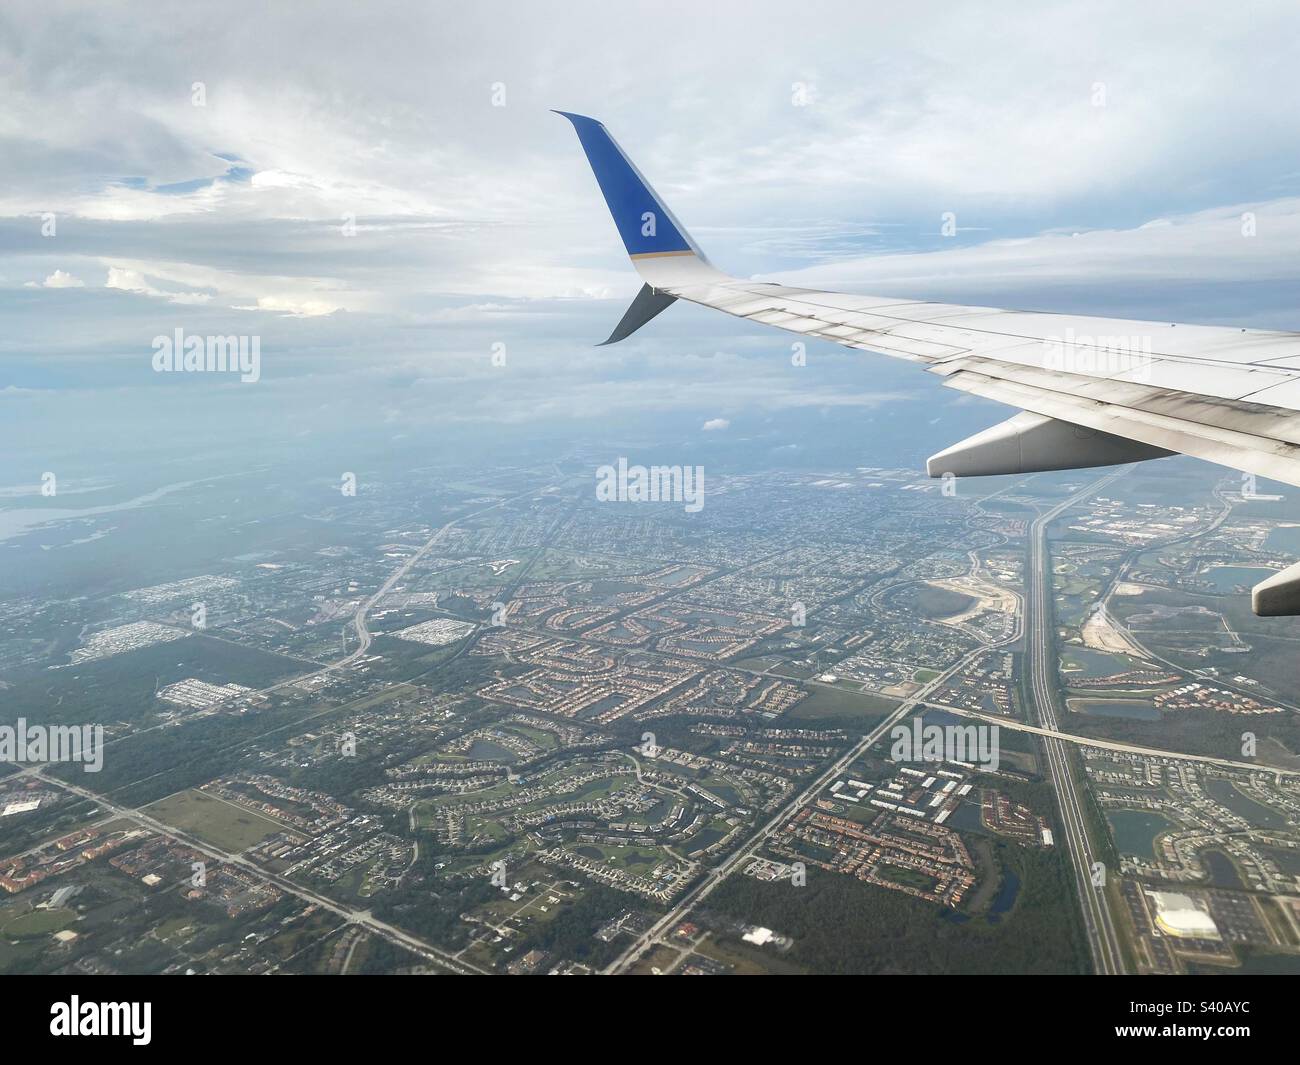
x=37, y=923
x=658, y=957
x=636, y=859
x=214, y=820
x=20, y=956
x=827, y=704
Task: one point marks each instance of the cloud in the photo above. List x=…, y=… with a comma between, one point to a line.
x=188, y=283
x=360, y=203
x=128, y=280
x=1237, y=242
x=714, y=424
x=1232, y=265
x=293, y=305
x=62, y=279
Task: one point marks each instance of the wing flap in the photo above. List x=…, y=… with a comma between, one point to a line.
x=1244, y=451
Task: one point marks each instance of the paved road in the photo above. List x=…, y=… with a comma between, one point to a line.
x=359, y=917
x=363, y=645
x=1114, y=745
x=715, y=877
x=1043, y=681
x=359, y=618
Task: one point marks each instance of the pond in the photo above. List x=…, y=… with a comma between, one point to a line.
x=482, y=750
x=1090, y=663
x=1223, y=874
x=1135, y=831
x=1284, y=538
x=1260, y=816
x=1006, y=896
x=1230, y=579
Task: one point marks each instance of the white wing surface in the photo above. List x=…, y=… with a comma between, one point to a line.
x=1095, y=391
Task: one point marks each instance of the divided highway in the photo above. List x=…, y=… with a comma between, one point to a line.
x=1043, y=685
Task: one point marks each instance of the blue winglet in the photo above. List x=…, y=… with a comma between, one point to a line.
x=645, y=224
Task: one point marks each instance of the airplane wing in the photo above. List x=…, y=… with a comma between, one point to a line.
x=1092, y=391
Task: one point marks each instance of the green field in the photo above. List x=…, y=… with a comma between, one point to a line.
x=37, y=923
x=637, y=859
x=214, y=820
x=827, y=707
x=931, y=601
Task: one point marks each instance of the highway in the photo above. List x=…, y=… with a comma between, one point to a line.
x=1042, y=679
x=1041, y=675
x=359, y=618
x=716, y=876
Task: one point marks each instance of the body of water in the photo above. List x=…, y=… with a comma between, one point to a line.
x=1006, y=896
x=1284, y=538
x=1135, y=831
x=1225, y=792
x=1085, y=662
x=1230, y=579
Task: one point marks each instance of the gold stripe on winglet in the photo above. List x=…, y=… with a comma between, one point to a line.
x=659, y=254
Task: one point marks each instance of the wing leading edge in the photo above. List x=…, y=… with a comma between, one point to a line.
x=1095, y=391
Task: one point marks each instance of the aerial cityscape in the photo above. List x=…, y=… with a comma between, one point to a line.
x=647, y=489
x=483, y=721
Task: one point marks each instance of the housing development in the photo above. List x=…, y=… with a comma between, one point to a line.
x=832, y=721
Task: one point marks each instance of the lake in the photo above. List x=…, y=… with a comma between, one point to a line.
x=1135, y=831
x=1076, y=661
x=1228, y=579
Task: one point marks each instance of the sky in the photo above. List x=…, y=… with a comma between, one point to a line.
x=380, y=193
